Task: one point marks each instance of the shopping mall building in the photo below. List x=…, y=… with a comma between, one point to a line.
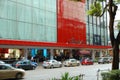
x=48, y=29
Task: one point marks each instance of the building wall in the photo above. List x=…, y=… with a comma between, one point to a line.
x=36, y=20
x=71, y=22
x=33, y=20
x=46, y=23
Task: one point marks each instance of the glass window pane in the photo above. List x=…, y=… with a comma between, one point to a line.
x=12, y=10
x=4, y=28
x=28, y=14
x=20, y=12
x=28, y=2
x=35, y=15
x=36, y=3
x=3, y=8
x=42, y=4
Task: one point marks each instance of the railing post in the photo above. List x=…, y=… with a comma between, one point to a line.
x=98, y=74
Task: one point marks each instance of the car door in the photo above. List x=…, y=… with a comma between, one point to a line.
x=6, y=72
x=74, y=62
x=2, y=72
x=55, y=63
x=24, y=65
x=27, y=65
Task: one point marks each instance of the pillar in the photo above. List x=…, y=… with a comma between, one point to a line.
x=51, y=54
x=101, y=54
x=93, y=54
x=25, y=53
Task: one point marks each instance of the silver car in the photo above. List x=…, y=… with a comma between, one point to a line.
x=103, y=60
x=51, y=64
x=71, y=62
x=9, y=72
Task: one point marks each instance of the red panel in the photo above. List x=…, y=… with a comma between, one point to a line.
x=71, y=22
x=42, y=44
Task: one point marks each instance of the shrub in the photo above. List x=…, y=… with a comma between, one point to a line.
x=111, y=75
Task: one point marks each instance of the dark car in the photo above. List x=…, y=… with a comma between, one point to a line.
x=25, y=64
x=87, y=62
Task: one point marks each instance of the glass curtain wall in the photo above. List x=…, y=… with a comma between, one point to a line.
x=96, y=27
x=33, y=20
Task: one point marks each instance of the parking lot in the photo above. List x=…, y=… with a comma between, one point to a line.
x=90, y=72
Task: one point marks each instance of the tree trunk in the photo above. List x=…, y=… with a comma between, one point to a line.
x=114, y=41
x=115, y=63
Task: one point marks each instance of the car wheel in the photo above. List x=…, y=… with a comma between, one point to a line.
x=78, y=64
x=65, y=65
x=61, y=65
x=33, y=68
x=19, y=75
x=51, y=66
x=45, y=67
x=70, y=65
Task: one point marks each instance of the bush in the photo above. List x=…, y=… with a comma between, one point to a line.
x=111, y=75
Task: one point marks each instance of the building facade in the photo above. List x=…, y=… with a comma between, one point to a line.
x=46, y=25
x=97, y=32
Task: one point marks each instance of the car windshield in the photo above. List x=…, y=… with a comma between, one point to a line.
x=1, y=62
x=47, y=61
x=5, y=67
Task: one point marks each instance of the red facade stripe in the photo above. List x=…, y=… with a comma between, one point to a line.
x=48, y=44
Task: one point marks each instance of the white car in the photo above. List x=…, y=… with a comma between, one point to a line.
x=51, y=64
x=9, y=72
x=71, y=62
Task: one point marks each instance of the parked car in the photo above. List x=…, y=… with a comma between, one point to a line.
x=51, y=64
x=34, y=63
x=87, y=62
x=2, y=62
x=103, y=60
x=25, y=64
x=71, y=62
x=8, y=72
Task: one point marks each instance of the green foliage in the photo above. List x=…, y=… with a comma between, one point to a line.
x=111, y=75
x=95, y=9
x=66, y=76
x=117, y=1
x=118, y=25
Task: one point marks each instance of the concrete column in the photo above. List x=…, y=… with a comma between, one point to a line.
x=51, y=54
x=106, y=52
x=25, y=53
x=101, y=54
x=93, y=54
